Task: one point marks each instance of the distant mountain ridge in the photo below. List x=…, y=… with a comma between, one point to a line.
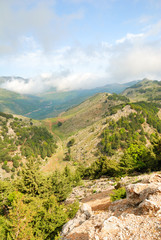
x=5, y=79
x=49, y=103
x=147, y=90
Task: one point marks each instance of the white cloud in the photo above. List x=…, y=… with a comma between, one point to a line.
x=133, y=56
x=32, y=86
x=136, y=63
x=130, y=37
x=66, y=68
x=154, y=29
x=37, y=19
x=136, y=56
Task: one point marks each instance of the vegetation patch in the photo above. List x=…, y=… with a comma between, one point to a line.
x=118, y=194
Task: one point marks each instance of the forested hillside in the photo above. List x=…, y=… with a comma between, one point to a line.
x=130, y=144
x=31, y=202
x=107, y=135
x=107, y=127
x=21, y=139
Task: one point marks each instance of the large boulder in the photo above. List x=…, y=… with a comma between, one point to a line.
x=137, y=193
x=148, y=206
x=147, y=196
x=84, y=213
x=112, y=225
x=155, y=178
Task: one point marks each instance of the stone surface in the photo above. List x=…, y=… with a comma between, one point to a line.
x=82, y=215
x=137, y=217
x=137, y=193
x=148, y=206
x=155, y=178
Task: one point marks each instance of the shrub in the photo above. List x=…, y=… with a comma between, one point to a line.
x=59, y=124
x=72, y=209
x=71, y=142
x=13, y=169
x=15, y=164
x=118, y=194
x=6, y=168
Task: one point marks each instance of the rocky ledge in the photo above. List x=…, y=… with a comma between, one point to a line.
x=136, y=217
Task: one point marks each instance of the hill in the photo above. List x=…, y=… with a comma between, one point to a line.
x=22, y=139
x=105, y=125
x=105, y=136
x=63, y=100
x=15, y=103
x=146, y=90
x=86, y=113
x=49, y=103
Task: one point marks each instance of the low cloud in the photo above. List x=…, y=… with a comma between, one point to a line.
x=67, y=68
x=59, y=80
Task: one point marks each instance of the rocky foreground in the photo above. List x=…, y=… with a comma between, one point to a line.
x=136, y=217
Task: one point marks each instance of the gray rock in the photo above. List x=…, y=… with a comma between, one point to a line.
x=82, y=215
x=137, y=193
x=148, y=206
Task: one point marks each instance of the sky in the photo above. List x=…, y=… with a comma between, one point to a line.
x=73, y=44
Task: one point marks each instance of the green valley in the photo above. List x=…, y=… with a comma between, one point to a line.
x=107, y=135
x=49, y=103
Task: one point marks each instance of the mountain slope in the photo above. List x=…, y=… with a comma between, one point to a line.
x=22, y=139
x=16, y=103
x=146, y=90
x=49, y=103
x=106, y=124
x=87, y=113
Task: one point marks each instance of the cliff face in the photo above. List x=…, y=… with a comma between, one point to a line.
x=136, y=217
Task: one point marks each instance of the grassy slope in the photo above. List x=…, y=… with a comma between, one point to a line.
x=83, y=115
x=15, y=103
x=84, y=123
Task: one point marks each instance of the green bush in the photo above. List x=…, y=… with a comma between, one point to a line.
x=71, y=142
x=15, y=164
x=72, y=209
x=59, y=124
x=118, y=194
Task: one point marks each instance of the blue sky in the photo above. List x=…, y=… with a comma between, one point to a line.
x=72, y=44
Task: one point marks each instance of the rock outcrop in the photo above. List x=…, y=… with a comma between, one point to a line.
x=147, y=196
x=136, y=217
x=84, y=213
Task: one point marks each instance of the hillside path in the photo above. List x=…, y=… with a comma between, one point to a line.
x=99, y=201
x=56, y=161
